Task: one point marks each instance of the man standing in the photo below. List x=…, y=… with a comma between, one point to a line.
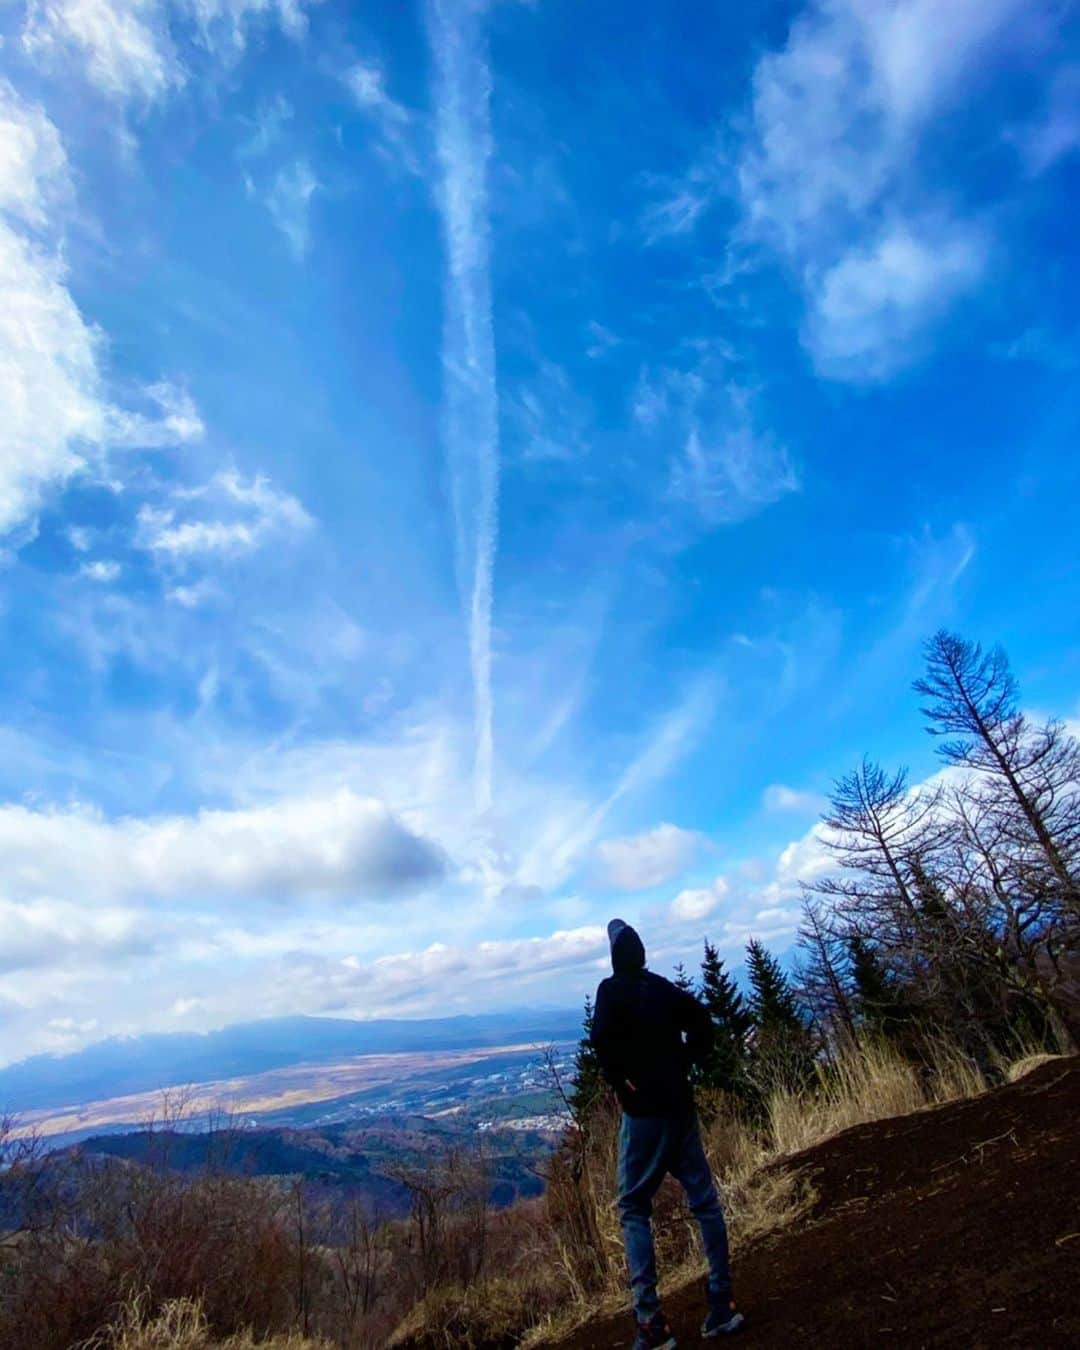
x=646, y=1034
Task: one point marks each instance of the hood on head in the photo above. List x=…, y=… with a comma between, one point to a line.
x=627, y=949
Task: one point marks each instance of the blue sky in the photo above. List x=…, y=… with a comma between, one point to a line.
x=470, y=469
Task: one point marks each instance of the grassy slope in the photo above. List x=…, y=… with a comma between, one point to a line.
x=957, y=1225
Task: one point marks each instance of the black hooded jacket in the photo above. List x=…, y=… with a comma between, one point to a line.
x=646, y=1033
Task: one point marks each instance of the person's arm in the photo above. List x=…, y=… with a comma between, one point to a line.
x=607, y=1041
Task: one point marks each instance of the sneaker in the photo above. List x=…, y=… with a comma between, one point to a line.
x=654, y=1335
x=723, y=1320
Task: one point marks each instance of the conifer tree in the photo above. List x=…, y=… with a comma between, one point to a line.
x=773, y=1005
x=731, y=1023
x=588, y=1081
x=782, y=1051
x=683, y=979
x=873, y=995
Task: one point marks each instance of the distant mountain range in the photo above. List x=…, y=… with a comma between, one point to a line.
x=128, y=1065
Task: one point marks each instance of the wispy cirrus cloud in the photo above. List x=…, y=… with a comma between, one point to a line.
x=471, y=431
x=394, y=123
x=780, y=797
x=829, y=172
x=828, y=176
x=289, y=203
x=1055, y=131
x=549, y=416
x=225, y=518
x=131, y=51
x=728, y=466
x=553, y=853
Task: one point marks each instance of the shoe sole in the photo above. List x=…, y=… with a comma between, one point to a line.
x=728, y=1329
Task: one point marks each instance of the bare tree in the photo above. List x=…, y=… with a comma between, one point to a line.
x=1030, y=775
x=449, y=1214
x=875, y=826
x=822, y=981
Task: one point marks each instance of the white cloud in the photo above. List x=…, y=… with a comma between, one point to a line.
x=836, y=122
x=124, y=45
x=58, y=418
x=269, y=121
x=551, y=418
x=128, y=49
x=601, y=340
x=1056, y=133
x=1040, y=346
x=779, y=797
x=47, y=932
x=464, y=147
x=50, y=386
x=728, y=468
x=228, y=20
x=246, y=516
x=692, y=905
x=49, y=381
x=731, y=473
x=289, y=203
x=192, y=597
x=639, y=862
x=101, y=569
x=337, y=844
x=867, y=309
x=828, y=169
x=677, y=214
x=836, y=111
x=366, y=82
x=177, y=423
x=34, y=174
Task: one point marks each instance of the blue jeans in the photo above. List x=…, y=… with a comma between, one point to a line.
x=650, y=1147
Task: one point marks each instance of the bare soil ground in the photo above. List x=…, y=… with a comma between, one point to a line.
x=958, y=1226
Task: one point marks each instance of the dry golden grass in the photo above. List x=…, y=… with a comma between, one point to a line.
x=483, y=1315
x=1021, y=1067
x=869, y=1083
x=181, y=1325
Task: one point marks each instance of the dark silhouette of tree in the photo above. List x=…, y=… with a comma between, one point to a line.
x=683, y=980
x=824, y=977
x=1031, y=773
x=874, y=825
x=782, y=1050
x=875, y=997
x=731, y=1024
x=773, y=1005
x=589, y=1085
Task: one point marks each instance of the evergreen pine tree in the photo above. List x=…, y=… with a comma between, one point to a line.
x=773, y=1005
x=873, y=995
x=783, y=1054
x=683, y=980
x=731, y=1024
x=588, y=1081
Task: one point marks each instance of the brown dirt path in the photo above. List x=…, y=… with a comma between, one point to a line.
x=958, y=1226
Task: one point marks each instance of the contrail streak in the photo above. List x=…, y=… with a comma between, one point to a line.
x=471, y=432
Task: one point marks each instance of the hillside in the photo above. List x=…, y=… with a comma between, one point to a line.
x=340, y=1161
x=957, y=1226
